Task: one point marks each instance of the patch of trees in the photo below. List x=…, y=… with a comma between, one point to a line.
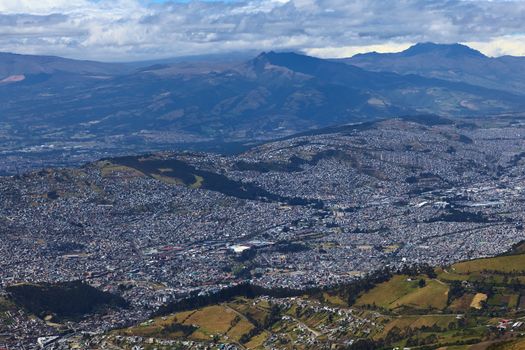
x=53, y=195
x=290, y=247
x=516, y=159
x=64, y=300
x=516, y=249
x=455, y=215
x=365, y=344
x=273, y=317
x=465, y=139
x=422, y=177
x=66, y=247
x=418, y=269
x=186, y=330
x=456, y=290
x=246, y=255
x=484, y=288
x=352, y=290
x=427, y=119
x=249, y=335
x=242, y=272
x=419, y=341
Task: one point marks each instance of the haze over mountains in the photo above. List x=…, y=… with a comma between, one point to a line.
x=50, y=104
x=14, y=64
x=450, y=62
x=360, y=182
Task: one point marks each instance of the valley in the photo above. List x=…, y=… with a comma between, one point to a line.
x=420, y=308
x=68, y=113
x=322, y=210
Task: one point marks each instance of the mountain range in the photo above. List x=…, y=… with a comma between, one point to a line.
x=91, y=105
x=454, y=62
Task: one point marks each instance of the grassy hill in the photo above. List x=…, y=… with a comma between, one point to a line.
x=478, y=304
x=404, y=292
x=173, y=171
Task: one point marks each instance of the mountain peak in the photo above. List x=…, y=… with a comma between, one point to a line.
x=449, y=50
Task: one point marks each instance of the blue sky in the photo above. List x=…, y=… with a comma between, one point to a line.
x=148, y=29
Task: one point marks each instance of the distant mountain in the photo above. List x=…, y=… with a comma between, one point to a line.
x=26, y=65
x=449, y=51
x=271, y=95
x=454, y=62
x=16, y=67
x=164, y=105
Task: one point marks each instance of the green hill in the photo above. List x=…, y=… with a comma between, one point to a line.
x=455, y=307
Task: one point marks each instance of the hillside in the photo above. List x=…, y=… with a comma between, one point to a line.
x=28, y=65
x=452, y=62
x=65, y=117
x=61, y=301
x=313, y=213
x=420, y=308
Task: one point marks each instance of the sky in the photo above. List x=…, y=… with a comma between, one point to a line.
x=127, y=30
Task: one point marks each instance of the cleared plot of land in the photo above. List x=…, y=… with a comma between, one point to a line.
x=417, y=322
x=334, y=300
x=401, y=292
x=511, y=345
x=150, y=328
x=447, y=275
x=108, y=169
x=257, y=341
x=212, y=319
x=202, y=324
x=386, y=293
x=513, y=301
x=257, y=312
x=433, y=296
x=463, y=303
x=239, y=328
x=478, y=300
x=501, y=264
x=168, y=180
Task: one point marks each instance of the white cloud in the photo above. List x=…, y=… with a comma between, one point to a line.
x=129, y=29
x=506, y=45
x=349, y=51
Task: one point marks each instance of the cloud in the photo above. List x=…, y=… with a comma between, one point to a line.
x=499, y=46
x=134, y=29
x=348, y=51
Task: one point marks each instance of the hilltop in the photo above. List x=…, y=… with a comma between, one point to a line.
x=452, y=62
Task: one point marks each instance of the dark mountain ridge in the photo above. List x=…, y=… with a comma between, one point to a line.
x=452, y=62
x=16, y=64
x=451, y=50
x=274, y=95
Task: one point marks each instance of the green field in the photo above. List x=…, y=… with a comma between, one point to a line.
x=228, y=321
x=385, y=294
x=401, y=292
x=457, y=307
x=501, y=264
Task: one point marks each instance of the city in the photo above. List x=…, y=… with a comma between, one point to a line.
x=393, y=193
